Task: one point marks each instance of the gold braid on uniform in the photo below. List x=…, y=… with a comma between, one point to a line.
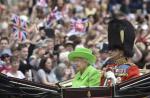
x=121, y=60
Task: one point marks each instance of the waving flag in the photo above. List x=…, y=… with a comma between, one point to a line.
x=16, y=20
x=23, y=24
x=19, y=27
x=79, y=24
x=42, y=3
x=54, y=15
x=50, y=17
x=20, y=34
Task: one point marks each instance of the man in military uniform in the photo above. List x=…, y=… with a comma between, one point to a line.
x=121, y=36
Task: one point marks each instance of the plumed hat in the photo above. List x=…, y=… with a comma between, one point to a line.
x=121, y=35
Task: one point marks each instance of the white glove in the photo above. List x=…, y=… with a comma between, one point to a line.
x=111, y=75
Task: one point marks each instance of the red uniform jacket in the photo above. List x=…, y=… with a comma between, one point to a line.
x=125, y=71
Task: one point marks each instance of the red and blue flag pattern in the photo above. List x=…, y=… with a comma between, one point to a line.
x=19, y=27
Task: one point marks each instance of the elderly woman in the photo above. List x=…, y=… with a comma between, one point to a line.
x=87, y=75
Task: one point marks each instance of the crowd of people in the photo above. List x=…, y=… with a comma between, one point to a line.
x=38, y=50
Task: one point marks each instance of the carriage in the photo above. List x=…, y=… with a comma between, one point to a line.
x=15, y=88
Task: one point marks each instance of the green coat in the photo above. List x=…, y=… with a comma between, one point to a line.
x=89, y=78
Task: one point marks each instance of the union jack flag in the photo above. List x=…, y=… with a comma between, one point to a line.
x=15, y=19
x=18, y=22
x=79, y=24
x=20, y=34
x=54, y=15
x=23, y=24
x=19, y=27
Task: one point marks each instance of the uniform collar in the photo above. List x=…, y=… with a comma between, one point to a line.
x=121, y=60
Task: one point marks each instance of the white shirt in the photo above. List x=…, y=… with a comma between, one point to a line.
x=18, y=75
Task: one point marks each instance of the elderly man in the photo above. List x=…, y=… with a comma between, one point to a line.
x=87, y=75
x=121, y=42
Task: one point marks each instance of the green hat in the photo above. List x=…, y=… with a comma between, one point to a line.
x=82, y=53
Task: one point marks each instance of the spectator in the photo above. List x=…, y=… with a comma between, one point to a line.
x=60, y=72
x=69, y=46
x=50, y=46
x=46, y=73
x=24, y=64
x=14, y=72
x=69, y=71
x=5, y=46
x=35, y=59
x=6, y=67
